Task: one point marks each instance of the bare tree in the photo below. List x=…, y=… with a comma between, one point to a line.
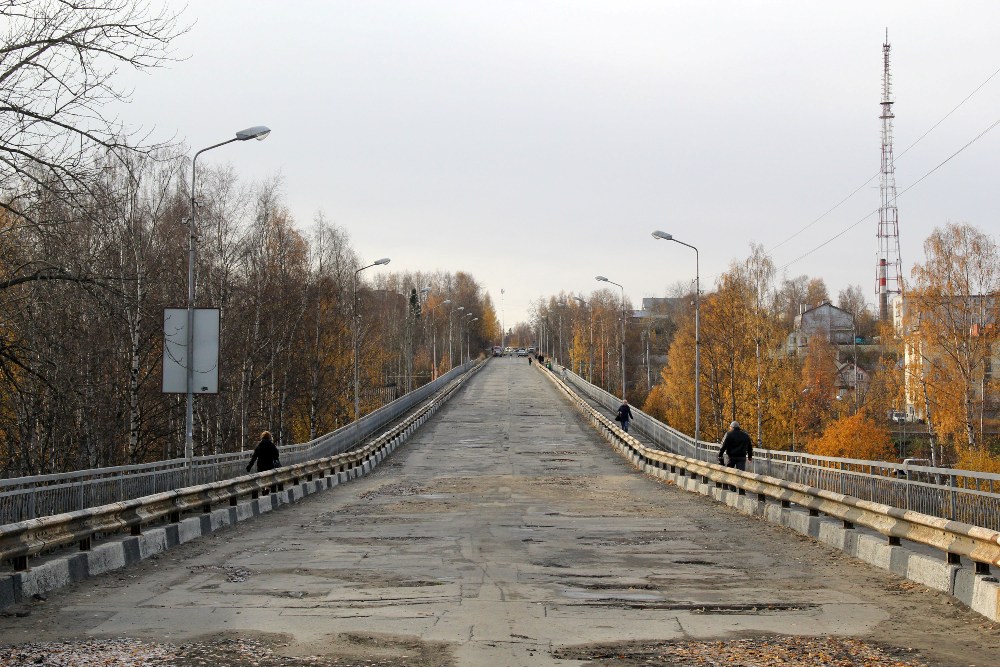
x=58, y=61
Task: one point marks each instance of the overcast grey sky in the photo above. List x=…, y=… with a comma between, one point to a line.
x=536, y=144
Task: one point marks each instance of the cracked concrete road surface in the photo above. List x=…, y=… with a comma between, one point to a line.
x=506, y=532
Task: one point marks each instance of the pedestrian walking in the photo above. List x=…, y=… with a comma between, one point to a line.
x=737, y=446
x=624, y=415
x=265, y=454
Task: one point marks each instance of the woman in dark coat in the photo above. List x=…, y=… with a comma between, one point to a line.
x=265, y=454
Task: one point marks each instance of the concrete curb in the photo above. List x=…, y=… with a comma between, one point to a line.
x=978, y=592
x=60, y=569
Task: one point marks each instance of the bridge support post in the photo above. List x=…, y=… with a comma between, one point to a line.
x=86, y=543
x=20, y=563
x=136, y=530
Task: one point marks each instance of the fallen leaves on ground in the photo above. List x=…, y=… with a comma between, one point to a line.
x=135, y=653
x=772, y=651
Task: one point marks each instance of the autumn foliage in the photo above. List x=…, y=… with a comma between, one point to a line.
x=854, y=437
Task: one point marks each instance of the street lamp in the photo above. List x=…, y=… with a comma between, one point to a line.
x=461, y=323
x=357, y=317
x=258, y=132
x=697, y=337
x=468, y=336
x=451, y=353
x=605, y=280
x=590, y=369
x=430, y=316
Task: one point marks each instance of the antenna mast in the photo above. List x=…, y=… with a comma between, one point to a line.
x=889, y=266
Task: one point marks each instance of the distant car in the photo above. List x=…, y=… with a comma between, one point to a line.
x=497, y=351
x=521, y=352
x=531, y=350
x=897, y=417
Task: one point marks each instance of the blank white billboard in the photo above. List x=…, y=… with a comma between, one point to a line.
x=206, y=351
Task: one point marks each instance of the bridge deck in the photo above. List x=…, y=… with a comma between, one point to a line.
x=504, y=529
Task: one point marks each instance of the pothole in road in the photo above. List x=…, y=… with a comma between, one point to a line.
x=618, y=587
x=636, y=541
x=379, y=579
x=610, y=594
x=637, y=600
x=695, y=561
x=234, y=574
x=392, y=490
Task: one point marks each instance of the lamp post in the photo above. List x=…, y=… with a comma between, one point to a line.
x=697, y=337
x=461, y=323
x=503, y=331
x=434, y=357
x=357, y=318
x=258, y=132
x=451, y=353
x=468, y=336
x=605, y=280
x=590, y=368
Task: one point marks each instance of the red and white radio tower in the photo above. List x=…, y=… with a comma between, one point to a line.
x=889, y=266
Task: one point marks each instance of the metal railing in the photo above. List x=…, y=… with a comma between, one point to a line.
x=21, y=540
x=24, y=498
x=959, y=495
x=956, y=538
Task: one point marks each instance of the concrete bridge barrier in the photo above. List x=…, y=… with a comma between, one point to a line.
x=243, y=498
x=829, y=517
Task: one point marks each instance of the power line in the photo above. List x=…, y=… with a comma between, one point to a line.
x=904, y=191
x=877, y=173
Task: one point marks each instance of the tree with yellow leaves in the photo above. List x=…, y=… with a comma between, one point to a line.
x=950, y=329
x=854, y=437
x=817, y=401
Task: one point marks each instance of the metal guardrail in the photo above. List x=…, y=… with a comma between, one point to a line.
x=956, y=538
x=21, y=540
x=24, y=498
x=958, y=495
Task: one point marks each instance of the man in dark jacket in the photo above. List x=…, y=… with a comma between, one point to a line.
x=265, y=454
x=738, y=446
x=624, y=415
